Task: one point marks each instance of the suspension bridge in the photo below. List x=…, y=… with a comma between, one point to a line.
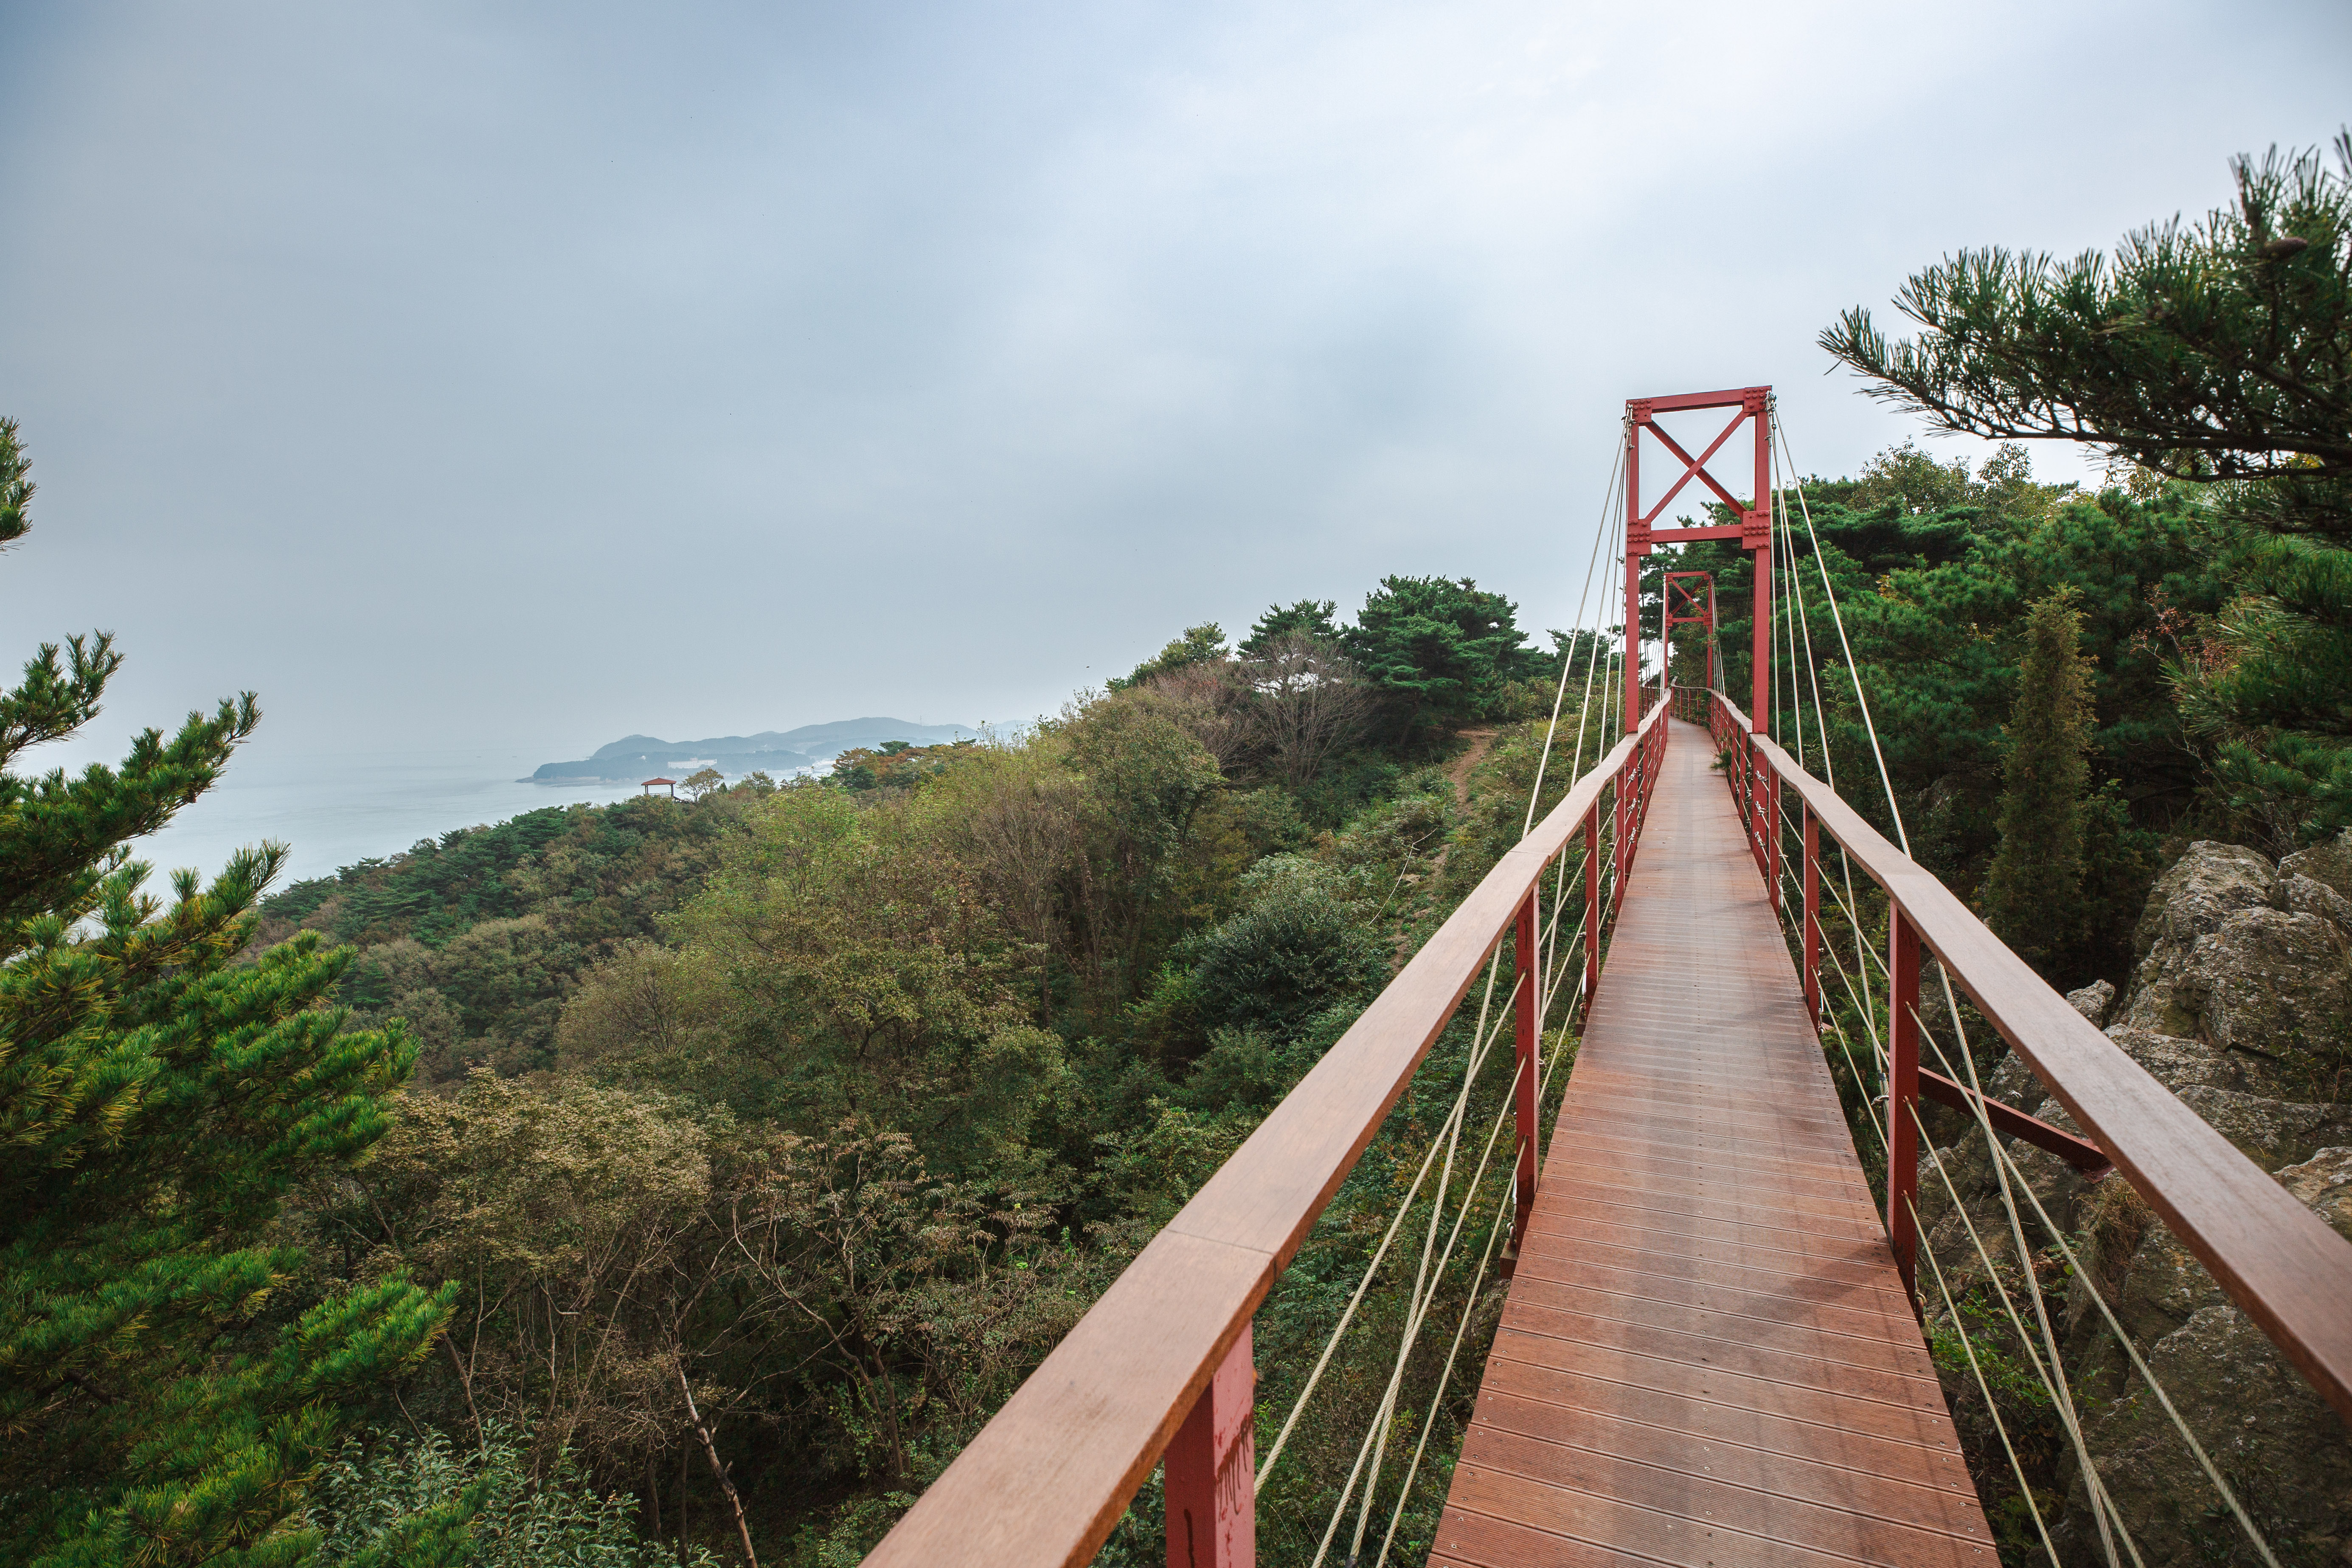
x=1711, y=1349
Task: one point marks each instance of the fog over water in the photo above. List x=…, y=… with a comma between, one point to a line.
x=480, y=387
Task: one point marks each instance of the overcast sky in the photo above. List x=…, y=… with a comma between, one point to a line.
x=538, y=374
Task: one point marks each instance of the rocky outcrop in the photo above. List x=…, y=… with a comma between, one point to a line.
x=2239, y=957
x=2283, y=1451
x=2241, y=1004
x=2093, y=1000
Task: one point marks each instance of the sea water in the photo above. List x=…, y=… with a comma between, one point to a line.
x=336, y=808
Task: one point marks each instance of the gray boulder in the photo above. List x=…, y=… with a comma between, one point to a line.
x=2243, y=959
x=2275, y=984
x=2283, y=1450
x=2204, y=886
x=2307, y=896
x=2092, y=1000
x=2179, y=1063
x=2330, y=863
x=2241, y=1005
x=2270, y=1132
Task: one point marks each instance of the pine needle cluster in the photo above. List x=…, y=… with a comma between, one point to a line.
x=158, y=1097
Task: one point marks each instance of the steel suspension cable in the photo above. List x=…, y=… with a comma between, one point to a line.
x=1470, y=1301
x=1404, y=1205
x=1422, y=1299
x=2104, y=1509
x=1821, y=714
x=1606, y=534
x=2053, y=1385
x=2005, y=1166
x=1567, y=655
x=2052, y=1376
x=1416, y=1302
x=1854, y=672
x=2024, y=1487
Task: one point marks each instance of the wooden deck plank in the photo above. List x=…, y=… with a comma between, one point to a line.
x=1705, y=1356
x=1828, y=1433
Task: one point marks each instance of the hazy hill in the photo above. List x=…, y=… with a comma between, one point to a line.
x=771, y=751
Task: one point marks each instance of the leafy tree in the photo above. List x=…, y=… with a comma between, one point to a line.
x=157, y=1099
x=379, y=1502
x=1203, y=644
x=1306, y=704
x=580, y=1225
x=2215, y=354
x=867, y=975
x=1441, y=650
x=897, y=765
x=1307, y=618
x=2034, y=892
x=2215, y=350
x=1145, y=780
x=1289, y=956
x=477, y=939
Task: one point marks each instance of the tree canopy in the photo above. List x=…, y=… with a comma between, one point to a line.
x=2217, y=353
x=159, y=1098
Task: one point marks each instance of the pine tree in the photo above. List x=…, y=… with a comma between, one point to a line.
x=2217, y=353
x=157, y=1098
x=2033, y=891
x=1441, y=652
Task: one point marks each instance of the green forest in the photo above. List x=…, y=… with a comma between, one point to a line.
x=689, y=1180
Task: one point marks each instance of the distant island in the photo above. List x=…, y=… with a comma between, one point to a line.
x=634, y=757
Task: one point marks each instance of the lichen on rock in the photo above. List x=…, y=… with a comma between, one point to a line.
x=2239, y=957
x=2241, y=1004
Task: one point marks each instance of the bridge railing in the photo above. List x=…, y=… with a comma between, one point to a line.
x=2280, y=1262
x=1161, y=1366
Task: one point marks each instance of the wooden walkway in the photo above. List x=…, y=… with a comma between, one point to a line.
x=1706, y=1356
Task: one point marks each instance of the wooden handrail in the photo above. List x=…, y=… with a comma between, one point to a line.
x=1047, y=1478
x=2280, y=1262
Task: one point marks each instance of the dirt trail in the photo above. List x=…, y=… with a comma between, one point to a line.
x=1481, y=742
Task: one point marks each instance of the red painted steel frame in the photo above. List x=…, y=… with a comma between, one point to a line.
x=1211, y=1465
x=1754, y=530
x=1523, y=1084
x=1158, y=1368
x=1697, y=618
x=1902, y=1097
x=1812, y=939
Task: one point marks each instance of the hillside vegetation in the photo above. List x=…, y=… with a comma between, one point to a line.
x=693, y=1177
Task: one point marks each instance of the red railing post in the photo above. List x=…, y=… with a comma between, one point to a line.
x=1524, y=1109
x=1592, y=905
x=1211, y=1471
x=1903, y=1094
x=1812, y=914
x=1772, y=834
x=1620, y=803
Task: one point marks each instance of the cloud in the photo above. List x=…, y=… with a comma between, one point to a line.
x=550, y=374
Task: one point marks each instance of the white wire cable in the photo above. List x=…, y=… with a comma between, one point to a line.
x=1423, y=1297
x=1422, y=1301
x=1437, y=1400
x=2024, y=1487
x=1417, y=1302
x=1852, y=671
x=2105, y=1510
x=2057, y=1383
x=1404, y=1206
x=1470, y=1302
x=1544, y=996
x=1584, y=604
x=1567, y=655
x=2053, y=1375
x=2006, y=1166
